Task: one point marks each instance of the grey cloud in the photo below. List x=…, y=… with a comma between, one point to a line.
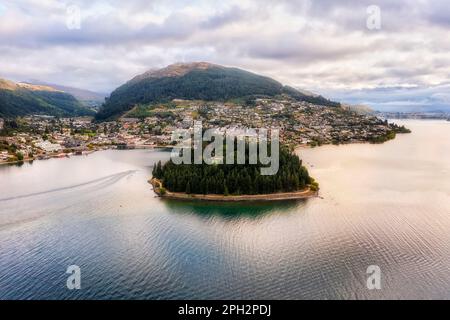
x=298, y=47
x=100, y=31
x=224, y=18
x=333, y=50
x=434, y=98
x=439, y=13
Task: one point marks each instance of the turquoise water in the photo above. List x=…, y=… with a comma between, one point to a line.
x=385, y=205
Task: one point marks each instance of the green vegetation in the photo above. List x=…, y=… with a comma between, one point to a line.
x=383, y=138
x=234, y=179
x=294, y=93
x=162, y=191
x=314, y=185
x=401, y=129
x=315, y=142
x=391, y=134
x=148, y=110
x=5, y=146
x=140, y=111
x=22, y=101
x=211, y=84
x=19, y=156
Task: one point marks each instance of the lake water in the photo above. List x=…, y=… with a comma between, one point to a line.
x=386, y=205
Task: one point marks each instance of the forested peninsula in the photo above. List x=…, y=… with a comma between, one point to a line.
x=234, y=182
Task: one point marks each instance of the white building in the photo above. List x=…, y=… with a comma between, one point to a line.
x=4, y=155
x=47, y=146
x=2, y=123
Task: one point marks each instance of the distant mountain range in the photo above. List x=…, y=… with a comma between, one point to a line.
x=87, y=97
x=20, y=99
x=191, y=81
x=197, y=81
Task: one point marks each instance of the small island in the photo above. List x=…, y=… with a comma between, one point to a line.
x=234, y=182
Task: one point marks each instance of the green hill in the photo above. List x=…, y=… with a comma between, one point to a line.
x=20, y=99
x=196, y=81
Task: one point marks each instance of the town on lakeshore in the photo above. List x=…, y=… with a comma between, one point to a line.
x=216, y=158
x=300, y=123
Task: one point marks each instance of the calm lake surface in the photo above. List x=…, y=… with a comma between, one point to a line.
x=385, y=205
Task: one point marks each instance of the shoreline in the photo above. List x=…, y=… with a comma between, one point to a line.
x=17, y=161
x=149, y=147
x=297, y=195
x=85, y=153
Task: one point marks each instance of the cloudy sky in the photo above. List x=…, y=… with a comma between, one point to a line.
x=324, y=46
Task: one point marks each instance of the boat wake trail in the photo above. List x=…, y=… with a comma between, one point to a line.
x=114, y=177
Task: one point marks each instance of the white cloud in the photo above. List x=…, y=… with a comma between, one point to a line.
x=319, y=45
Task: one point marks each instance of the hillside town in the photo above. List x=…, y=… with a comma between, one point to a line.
x=300, y=123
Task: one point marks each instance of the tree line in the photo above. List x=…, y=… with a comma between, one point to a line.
x=233, y=179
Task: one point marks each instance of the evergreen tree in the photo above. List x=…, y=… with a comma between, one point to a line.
x=188, y=188
x=233, y=179
x=225, y=190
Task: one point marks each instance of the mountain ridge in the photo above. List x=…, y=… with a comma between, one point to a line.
x=21, y=99
x=82, y=95
x=196, y=81
x=174, y=70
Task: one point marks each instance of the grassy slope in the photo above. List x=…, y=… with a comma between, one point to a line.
x=22, y=101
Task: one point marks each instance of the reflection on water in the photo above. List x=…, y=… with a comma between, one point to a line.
x=231, y=210
x=387, y=205
x=17, y=164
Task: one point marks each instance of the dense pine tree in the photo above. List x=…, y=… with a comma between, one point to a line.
x=233, y=178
